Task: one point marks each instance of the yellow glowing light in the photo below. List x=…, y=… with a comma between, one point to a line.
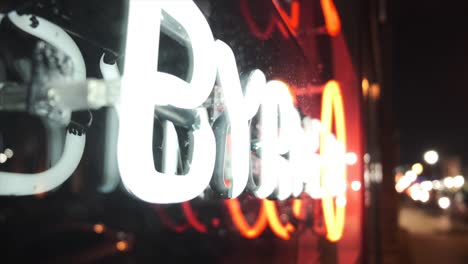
x=365, y=87
x=99, y=228
x=333, y=110
x=122, y=245
x=417, y=168
x=375, y=91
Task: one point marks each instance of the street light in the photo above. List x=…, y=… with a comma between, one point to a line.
x=431, y=157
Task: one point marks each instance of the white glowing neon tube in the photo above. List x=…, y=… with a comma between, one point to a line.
x=143, y=88
x=334, y=160
x=34, y=183
x=170, y=148
x=254, y=89
x=287, y=140
x=111, y=177
x=135, y=159
x=284, y=137
x=312, y=129
x=236, y=108
x=298, y=155
x=181, y=94
x=28, y=184
x=55, y=36
x=269, y=140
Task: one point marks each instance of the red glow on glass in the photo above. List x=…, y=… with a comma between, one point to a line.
x=167, y=221
x=215, y=222
x=192, y=218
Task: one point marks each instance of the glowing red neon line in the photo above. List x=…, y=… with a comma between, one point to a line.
x=291, y=21
x=332, y=19
x=167, y=221
x=192, y=218
x=261, y=34
x=280, y=230
x=297, y=209
x=241, y=223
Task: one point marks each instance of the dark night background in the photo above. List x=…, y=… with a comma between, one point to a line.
x=431, y=78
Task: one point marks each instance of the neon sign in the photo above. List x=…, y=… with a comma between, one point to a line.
x=285, y=176
x=316, y=157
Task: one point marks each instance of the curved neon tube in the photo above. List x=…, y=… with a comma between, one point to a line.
x=297, y=208
x=135, y=159
x=254, y=88
x=261, y=34
x=285, y=178
x=332, y=108
x=27, y=184
x=291, y=21
x=168, y=221
x=192, y=218
x=182, y=94
x=142, y=90
x=239, y=121
x=269, y=150
x=312, y=130
x=280, y=230
x=54, y=35
x=291, y=139
x=268, y=214
x=240, y=222
x=276, y=169
x=332, y=19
